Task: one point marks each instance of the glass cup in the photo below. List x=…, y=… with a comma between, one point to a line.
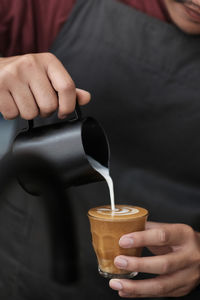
x=107, y=227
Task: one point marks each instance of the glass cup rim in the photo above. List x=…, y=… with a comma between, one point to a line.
x=119, y=220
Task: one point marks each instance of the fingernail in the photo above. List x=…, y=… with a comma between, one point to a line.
x=121, y=262
x=126, y=242
x=115, y=285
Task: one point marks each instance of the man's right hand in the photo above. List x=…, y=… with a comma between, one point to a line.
x=37, y=84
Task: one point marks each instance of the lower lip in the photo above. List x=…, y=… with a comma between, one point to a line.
x=192, y=14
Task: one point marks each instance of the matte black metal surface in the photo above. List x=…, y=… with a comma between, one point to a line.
x=66, y=146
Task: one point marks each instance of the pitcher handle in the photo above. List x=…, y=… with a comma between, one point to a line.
x=77, y=115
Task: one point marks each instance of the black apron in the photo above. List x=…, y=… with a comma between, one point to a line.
x=143, y=75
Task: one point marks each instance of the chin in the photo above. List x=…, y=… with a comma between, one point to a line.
x=181, y=19
x=188, y=27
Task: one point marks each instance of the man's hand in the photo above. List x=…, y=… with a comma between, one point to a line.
x=176, y=261
x=37, y=84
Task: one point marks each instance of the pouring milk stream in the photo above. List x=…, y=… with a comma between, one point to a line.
x=105, y=173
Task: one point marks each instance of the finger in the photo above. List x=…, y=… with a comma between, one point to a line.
x=183, y=282
x=158, y=250
x=160, y=264
x=156, y=287
x=65, y=87
x=44, y=93
x=83, y=96
x=178, y=292
x=163, y=235
x=150, y=225
x=24, y=100
x=8, y=108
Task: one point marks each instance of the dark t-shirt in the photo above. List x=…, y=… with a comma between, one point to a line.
x=32, y=25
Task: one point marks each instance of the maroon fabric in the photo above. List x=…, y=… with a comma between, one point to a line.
x=28, y=26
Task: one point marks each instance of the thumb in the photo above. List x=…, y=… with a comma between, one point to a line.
x=83, y=96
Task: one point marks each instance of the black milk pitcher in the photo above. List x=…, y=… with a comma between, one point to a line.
x=66, y=146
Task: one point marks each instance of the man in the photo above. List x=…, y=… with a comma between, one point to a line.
x=185, y=14
x=38, y=84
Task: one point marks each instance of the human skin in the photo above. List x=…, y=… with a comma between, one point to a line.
x=37, y=84
x=185, y=14
x=175, y=260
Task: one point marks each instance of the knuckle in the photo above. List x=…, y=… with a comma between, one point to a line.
x=188, y=229
x=67, y=86
x=3, y=78
x=8, y=74
x=27, y=60
x=163, y=236
x=122, y=294
x=166, y=267
x=48, y=55
x=29, y=113
x=14, y=69
x=188, y=232
x=184, y=229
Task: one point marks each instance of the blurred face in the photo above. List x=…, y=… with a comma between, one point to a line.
x=185, y=14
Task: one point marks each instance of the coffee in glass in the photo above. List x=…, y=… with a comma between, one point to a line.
x=107, y=227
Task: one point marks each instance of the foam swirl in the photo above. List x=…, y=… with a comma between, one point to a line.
x=120, y=211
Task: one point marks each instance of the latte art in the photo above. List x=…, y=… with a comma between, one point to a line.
x=125, y=211
x=121, y=212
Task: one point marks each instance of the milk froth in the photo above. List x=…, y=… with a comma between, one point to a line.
x=119, y=213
